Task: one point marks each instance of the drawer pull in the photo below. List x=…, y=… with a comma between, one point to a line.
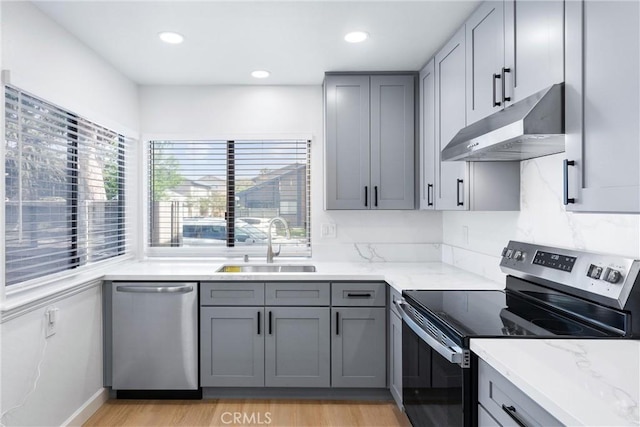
x=511, y=411
x=353, y=295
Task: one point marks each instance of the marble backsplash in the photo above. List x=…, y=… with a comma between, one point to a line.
x=474, y=240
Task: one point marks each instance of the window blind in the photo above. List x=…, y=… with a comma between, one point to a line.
x=220, y=195
x=64, y=189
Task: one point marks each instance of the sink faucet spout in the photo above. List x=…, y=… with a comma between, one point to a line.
x=270, y=252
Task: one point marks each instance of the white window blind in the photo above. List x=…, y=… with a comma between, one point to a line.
x=64, y=192
x=220, y=195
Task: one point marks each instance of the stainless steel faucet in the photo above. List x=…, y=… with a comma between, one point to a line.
x=270, y=253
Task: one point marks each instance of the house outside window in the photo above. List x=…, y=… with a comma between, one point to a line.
x=217, y=197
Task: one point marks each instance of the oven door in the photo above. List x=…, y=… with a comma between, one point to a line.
x=436, y=389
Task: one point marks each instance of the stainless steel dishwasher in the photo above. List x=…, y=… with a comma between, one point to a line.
x=155, y=339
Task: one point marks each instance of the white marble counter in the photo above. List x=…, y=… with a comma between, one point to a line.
x=580, y=382
x=425, y=275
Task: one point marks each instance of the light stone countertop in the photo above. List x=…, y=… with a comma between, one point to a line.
x=400, y=275
x=580, y=382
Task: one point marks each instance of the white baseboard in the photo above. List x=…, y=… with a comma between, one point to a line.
x=89, y=408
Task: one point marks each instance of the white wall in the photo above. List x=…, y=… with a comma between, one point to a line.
x=237, y=111
x=45, y=60
x=474, y=240
x=70, y=361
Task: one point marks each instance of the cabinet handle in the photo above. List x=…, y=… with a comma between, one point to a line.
x=458, y=202
x=366, y=195
x=270, y=316
x=504, y=84
x=337, y=323
x=496, y=103
x=511, y=411
x=365, y=295
x=565, y=168
x=259, y=316
x=375, y=192
x=429, y=194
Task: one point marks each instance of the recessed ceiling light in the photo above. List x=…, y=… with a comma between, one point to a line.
x=171, y=37
x=356, y=36
x=260, y=74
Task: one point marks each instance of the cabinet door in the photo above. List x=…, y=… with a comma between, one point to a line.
x=232, y=346
x=392, y=142
x=298, y=293
x=485, y=59
x=395, y=356
x=602, y=106
x=358, y=347
x=347, y=142
x=297, y=350
x=534, y=46
x=427, y=150
x=451, y=177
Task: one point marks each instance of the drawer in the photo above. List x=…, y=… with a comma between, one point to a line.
x=359, y=294
x=505, y=402
x=232, y=293
x=394, y=295
x=297, y=293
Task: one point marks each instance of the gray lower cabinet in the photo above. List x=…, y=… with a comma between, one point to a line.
x=505, y=404
x=358, y=347
x=297, y=347
x=602, y=106
x=395, y=357
x=231, y=347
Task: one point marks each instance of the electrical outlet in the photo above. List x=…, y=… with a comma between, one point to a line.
x=465, y=234
x=328, y=230
x=51, y=319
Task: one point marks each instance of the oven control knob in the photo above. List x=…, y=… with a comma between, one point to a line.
x=594, y=271
x=519, y=256
x=612, y=276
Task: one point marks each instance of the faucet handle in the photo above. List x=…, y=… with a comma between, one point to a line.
x=278, y=251
x=246, y=257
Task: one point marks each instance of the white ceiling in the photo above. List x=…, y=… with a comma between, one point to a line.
x=297, y=41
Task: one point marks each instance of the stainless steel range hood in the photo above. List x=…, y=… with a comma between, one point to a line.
x=532, y=127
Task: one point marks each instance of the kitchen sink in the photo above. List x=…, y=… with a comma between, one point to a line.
x=267, y=268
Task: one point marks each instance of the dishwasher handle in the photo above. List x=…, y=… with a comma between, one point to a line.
x=182, y=289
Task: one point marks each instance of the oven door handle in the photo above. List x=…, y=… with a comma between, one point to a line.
x=452, y=355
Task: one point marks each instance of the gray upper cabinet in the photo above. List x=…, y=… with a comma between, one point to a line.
x=602, y=106
x=392, y=142
x=534, y=46
x=369, y=128
x=232, y=346
x=358, y=347
x=347, y=141
x=450, y=114
x=485, y=60
x=428, y=151
x=515, y=48
x=297, y=352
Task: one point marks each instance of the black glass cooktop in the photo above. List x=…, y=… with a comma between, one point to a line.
x=475, y=314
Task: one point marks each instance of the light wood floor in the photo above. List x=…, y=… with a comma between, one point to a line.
x=231, y=412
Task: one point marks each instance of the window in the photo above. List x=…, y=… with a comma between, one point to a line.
x=206, y=194
x=64, y=189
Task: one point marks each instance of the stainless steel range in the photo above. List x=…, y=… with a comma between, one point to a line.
x=549, y=293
